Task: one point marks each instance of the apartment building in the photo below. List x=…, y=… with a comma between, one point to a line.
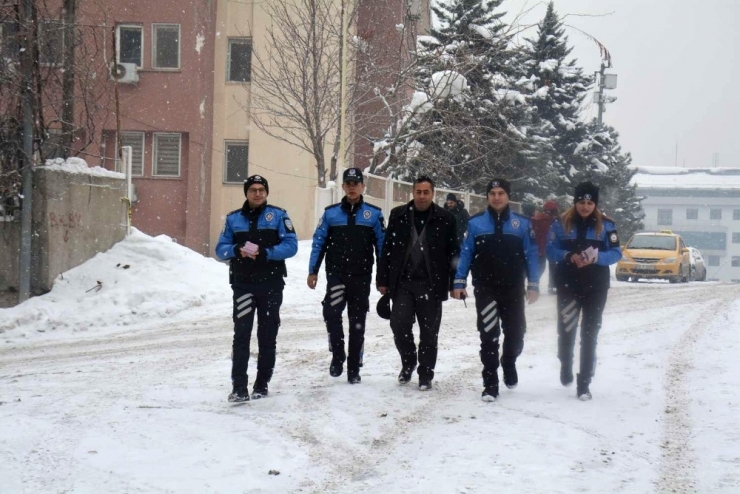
x=700, y=204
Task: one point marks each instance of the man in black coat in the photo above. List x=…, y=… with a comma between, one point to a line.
x=462, y=217
x=416, y=267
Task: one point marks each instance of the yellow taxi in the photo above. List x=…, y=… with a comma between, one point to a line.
x=657, y=256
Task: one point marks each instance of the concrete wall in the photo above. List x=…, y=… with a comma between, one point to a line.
x=75, y=216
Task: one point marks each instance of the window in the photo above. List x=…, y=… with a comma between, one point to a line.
x=136, y=141
x=166, y=46
x=239, y=64
x=713, y=260
x=736, y=214
x=166, y=155
x=665, y=216
x=51, y=42
x=237, y=162
x=715, y=214
x=692, y=214
x=736, y=261
x=735, y=238
x=130, y=47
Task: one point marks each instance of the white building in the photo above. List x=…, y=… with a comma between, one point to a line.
x=700, y=204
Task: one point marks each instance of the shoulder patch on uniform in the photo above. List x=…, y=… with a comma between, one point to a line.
x=515, y=223
x=372, y=205
x=288, y=225
x=367, y=214
x=613, y=238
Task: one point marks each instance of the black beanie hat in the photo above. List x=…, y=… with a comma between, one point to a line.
x=256, y=179
x=499, y=182
x=384, y=306
x=586, y=191
x=451, y=197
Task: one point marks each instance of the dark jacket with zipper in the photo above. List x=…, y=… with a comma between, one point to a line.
x=349, y=235
x=440, y=256
x=267, y=226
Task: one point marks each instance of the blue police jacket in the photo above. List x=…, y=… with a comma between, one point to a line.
x=271, y=229
x=347, y=234
x=500, y=249
x=562, y=244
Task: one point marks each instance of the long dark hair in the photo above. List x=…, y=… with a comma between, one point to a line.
x=568, y=218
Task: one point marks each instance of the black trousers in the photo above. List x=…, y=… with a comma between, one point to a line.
x=570, y=306
x=352, y=292
x=265, y=301
x=415, y=299
x=496, y=307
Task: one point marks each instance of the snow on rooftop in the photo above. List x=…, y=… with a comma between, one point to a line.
x=79, y=166
x=654, y=177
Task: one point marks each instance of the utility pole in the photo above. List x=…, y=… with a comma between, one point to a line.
x=601, y=92
x=27, y=19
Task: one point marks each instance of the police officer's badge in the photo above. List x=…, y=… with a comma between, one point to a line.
x=515, y=224
x=614, y=239
x=366, y=215
x=269, y=216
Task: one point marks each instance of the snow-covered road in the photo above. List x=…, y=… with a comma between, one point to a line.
x=140, y=405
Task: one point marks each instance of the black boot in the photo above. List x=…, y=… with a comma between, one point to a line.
x=353, y=376
x=337, y=364
x=582, y=391
x=260, y=389
x=490, y=392
x=511, y=378
x=406, y=372
x=566, y=373
x=240, y=394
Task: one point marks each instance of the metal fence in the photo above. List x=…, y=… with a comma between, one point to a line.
x=387, y=193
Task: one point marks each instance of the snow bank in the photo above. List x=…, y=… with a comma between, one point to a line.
x=79, y=166
x=139, y=280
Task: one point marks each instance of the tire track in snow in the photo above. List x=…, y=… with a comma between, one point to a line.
x=678, y=464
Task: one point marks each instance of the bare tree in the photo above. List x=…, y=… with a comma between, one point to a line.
x=70, y=86
x=296, y=83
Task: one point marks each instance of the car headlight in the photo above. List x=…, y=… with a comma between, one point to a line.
x=669, y=260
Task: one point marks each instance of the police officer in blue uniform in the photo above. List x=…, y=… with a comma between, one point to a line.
x=256, y=240
x=500, y=249
x=582, y=244
x=347, y=235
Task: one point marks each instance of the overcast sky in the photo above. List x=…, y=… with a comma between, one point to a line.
x=678, y=73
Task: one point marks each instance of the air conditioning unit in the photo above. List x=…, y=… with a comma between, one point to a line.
x=124, y=73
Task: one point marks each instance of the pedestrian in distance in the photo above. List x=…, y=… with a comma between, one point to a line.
x=457, y=208
x=541, y=225
x=500, y=250
x=350, y=233
x=583, y=243
x=256, y=240
x=416, y=267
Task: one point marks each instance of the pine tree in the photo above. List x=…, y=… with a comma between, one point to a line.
x=607, y=166
x=465, y=136
x=562, y=87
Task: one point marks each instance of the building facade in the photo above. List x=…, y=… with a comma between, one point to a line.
x=700, y=204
